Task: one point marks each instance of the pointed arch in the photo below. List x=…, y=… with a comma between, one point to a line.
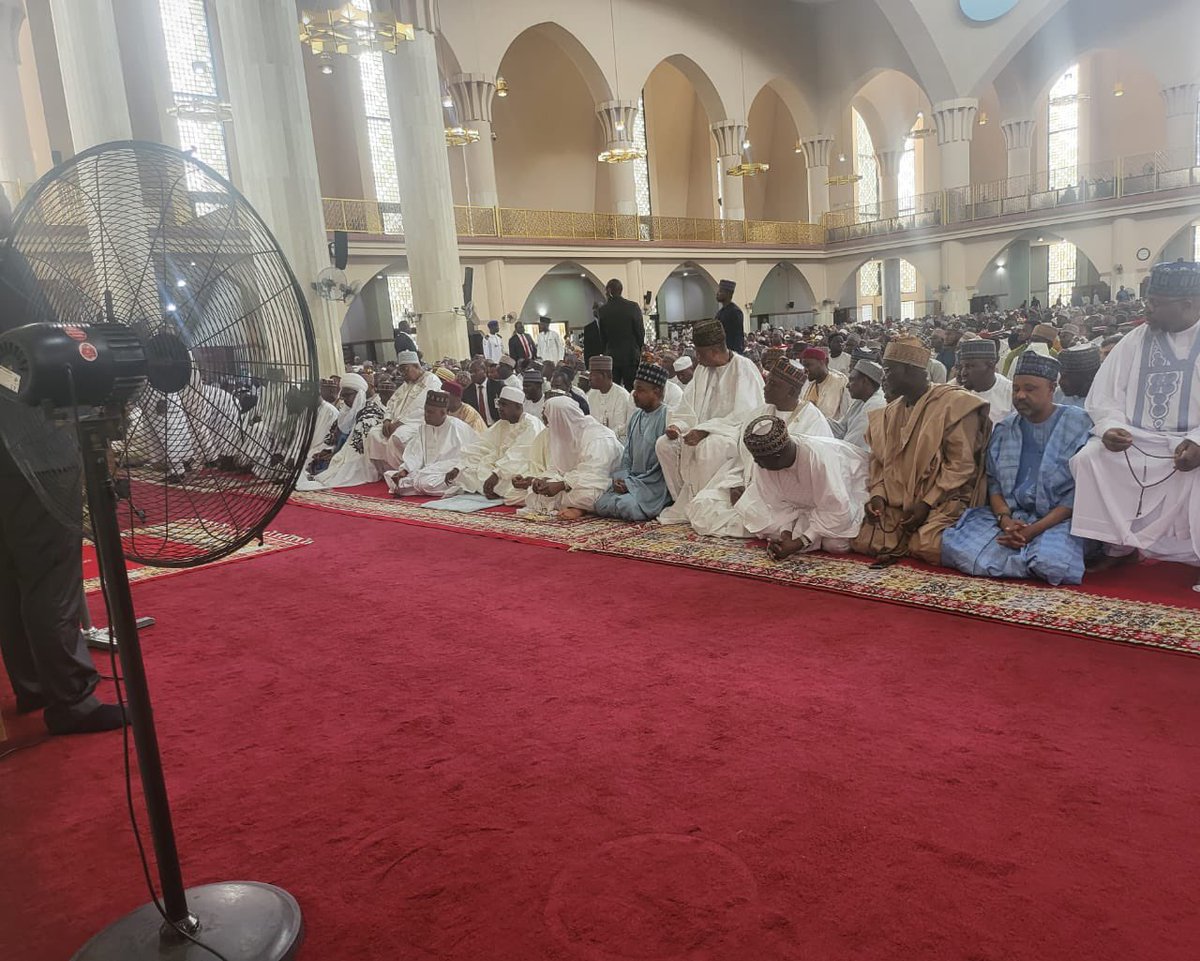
x=597, y=83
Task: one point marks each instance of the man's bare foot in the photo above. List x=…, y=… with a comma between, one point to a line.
x=1106, y=562
x=570, y=514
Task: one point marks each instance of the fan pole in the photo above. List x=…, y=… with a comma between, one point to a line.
x=94, y=435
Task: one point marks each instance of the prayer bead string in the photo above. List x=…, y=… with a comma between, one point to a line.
x=1142, y=488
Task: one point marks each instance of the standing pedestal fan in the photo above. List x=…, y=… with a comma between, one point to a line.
x=137, y=285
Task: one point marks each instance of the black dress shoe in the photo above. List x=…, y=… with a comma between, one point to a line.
x=27, y=705
x=105, y=717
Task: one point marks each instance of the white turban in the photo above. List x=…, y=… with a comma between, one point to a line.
x=348, y=415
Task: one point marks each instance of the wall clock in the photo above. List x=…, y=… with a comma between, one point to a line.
x=1143, y=253
x=983, y=11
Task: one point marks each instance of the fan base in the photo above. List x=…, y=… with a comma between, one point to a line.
x=244, y=920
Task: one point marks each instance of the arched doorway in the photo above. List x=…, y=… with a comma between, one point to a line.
x=370, y=322
x=784, y=299
x=687, y=295
x=566, y=294
x=887, y=288
x=1042, y=267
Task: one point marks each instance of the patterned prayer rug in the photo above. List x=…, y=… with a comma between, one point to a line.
x=272, y=543
x=1029, y=604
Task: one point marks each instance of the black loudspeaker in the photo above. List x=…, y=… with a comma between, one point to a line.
x=341, y=249
x=468, y=283
x=841, y=315
x=647, y=297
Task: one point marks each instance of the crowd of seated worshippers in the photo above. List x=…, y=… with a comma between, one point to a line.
x=1024, y=443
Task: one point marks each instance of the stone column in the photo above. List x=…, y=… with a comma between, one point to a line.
x=16, y=152
x=730, y=135
x=472, y=95
x=955, y=299
x=89, y=58
x=889, y=181
x=1018, y=138
x=273, y=136
x=891, y=287
x=955, y=123
x=617, y=117
x=1180, y=99
x=493, y=272
x=817, y=150
x=423, y=169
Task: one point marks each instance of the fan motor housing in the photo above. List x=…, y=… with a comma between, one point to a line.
x=66, y=365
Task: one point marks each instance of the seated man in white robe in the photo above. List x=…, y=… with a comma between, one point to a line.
x=433, y=452
x=713, y=512
x=609, y=402
x=805, y=493
x=977, y=359
x=1137, y=486
x=405, y=412
x=583, y=456
x=490, y=463
x=673, y=390
x=533, y=383
x=343, y=459
x=702, y=433
x=866, y=395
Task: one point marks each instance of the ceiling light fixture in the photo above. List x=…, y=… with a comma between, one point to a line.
x=622, y=153
x=349, y=31
x=1118, y=89
x=501, y=87
x=461, y=136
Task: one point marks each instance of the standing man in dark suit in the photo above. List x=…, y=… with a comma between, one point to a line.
x=731, y=317
x=622, y=334
x=521, y=346
x=403, y=338
x=591, y=337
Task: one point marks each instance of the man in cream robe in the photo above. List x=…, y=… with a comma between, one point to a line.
x=433, y=451
x=866, y=395
x=702, y=433
x=609, y=402
x=826, y=388
x=927, y=459
x=805, y=493
x=405, y=412
x=489, y=464
x=713, y=512
x=583, y=456
x=1137, y=486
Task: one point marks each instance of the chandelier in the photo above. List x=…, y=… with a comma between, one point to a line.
x=202, y=110
x=461, y=136
x=350, y=31
x=843, y=180
x=621, y=155
x=748, y=169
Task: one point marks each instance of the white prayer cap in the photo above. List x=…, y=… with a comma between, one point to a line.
x=407, y=357
x=683, y=363
x=511, y=393
x=1037, y=348
x=354, y=382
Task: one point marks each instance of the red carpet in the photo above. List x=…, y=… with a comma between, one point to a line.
x=683, y=765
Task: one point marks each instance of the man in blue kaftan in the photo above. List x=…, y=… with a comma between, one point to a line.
x=1025, y=529
x=639, y=490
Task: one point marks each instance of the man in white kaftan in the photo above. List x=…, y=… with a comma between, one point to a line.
x=1137, y=486
x=609, y=402
x=866, y=395
x=977, y=360
x=713, y=512
x=490, y=463
x=805, y=493
x=702, y=433
x=434, y=451
x=583, y=456
x=343, y=460
x=405, y=412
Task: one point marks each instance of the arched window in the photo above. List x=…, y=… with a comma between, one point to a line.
x=906, y=188
x=870, y=291
x=1062, y=126
x=193, y=79
x=866, y=191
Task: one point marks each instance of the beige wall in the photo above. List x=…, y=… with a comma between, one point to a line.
x=681, y=145
x=782, y=192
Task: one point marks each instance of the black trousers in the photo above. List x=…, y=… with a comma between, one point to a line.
x=41, y=589
x=624, y=376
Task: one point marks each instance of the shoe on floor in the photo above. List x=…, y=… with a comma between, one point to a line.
x=105, y=717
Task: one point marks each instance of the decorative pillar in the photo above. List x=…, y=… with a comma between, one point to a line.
x=472, y=95
x=617, y=117
x=89, y=59
x=731, y=134
x=889, y=181
x=423, y=170
x=1018, y=138
x=891, y=287
x=1180, y=99
x=955, y=122
x=817, y=150
x=493, y=272
x=273, y=136
x=955, y=299
x=16, y=152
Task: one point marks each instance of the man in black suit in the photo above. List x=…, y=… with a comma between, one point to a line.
x=591, y=337
x=403, y=338
x=622, y=334
x=731, y=317
x=481, y=394
x=521, y=346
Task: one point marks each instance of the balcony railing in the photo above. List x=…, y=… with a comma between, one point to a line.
x=519, y=223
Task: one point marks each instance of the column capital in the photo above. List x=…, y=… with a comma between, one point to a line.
x=817, y=149
x=1018, y=133
x=889, y=162
x=730, y=134
x=955, y=119
x=617, y=117
x=472, y=95
x=12, y=17
x=1180, y=99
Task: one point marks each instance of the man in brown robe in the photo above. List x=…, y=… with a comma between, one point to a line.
x=928, y=456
